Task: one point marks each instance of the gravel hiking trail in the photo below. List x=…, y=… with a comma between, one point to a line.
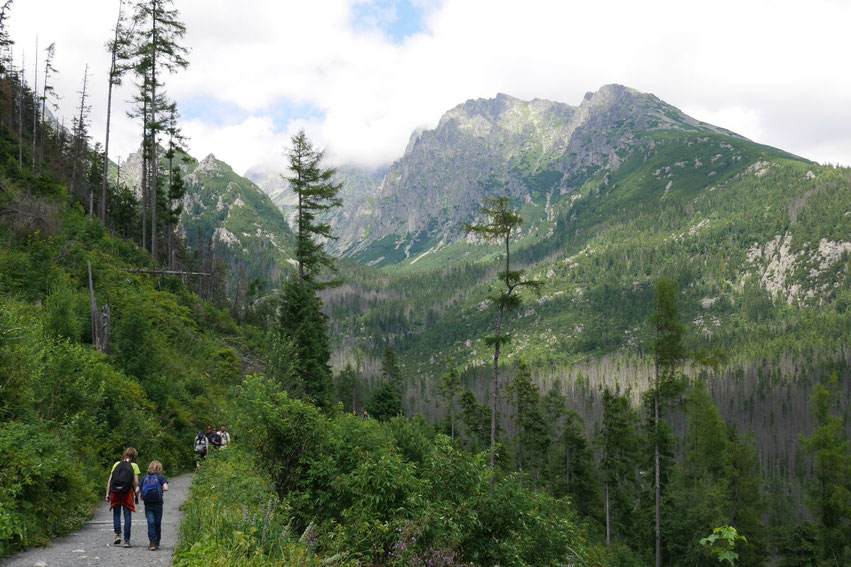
x=92, y=544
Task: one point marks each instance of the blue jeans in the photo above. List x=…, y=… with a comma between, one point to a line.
x=154, y=515
x=116, y=521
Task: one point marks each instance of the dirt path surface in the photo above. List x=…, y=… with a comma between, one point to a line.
x=92, y=545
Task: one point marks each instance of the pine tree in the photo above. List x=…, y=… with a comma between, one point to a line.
x=668, y=352
x=532, y=439
x=386, y=401
x=80, y=131
x=317, y=193
x=618, y=442
x=502, y=220
x=302, y=322
x=35, y=107
x=718, y=484
x=159, y=32
x=141, y=109
x=449, y=387
x=581, y=479
x=830, y=495
x=347, y=384
x=5, y=40
x=47, y=91
x=173, y=206
x=476, y=418
x=120, y=53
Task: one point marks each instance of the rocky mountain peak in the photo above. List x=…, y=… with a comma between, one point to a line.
x=211, y=167
x=531, y=150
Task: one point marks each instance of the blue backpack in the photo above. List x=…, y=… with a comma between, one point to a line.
x=151, y=489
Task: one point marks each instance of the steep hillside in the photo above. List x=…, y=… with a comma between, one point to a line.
x=165, y=367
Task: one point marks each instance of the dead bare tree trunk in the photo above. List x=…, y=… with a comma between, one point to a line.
x=100, y=319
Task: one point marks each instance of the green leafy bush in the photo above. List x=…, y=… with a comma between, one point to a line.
x=394, y=493
x=45, y=493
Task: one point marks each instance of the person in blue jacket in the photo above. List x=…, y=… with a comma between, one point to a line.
x=151, y=489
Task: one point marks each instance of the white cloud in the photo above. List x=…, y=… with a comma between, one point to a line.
x=771, y=71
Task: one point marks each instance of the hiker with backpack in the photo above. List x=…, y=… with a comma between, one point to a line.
x=151, y=490
x=121, y=493
x=201, y=445
x=215, y=440
x=223, y=433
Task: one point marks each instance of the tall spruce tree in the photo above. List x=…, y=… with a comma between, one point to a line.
x=80, y=131
x=718, y=484
x=668, y=353
x=502, y=220
x=176, y=187
x=449, y=387
x=35, y=107
x=619, y=446
x=532, y=439
x=830, y=492
x=159, y=32
x=386, y=400
x=47, y=91
x=347, y=385
x=5, y=40
x=301, y=317
x=119, y=48
x=302, y=324
x=317, y=192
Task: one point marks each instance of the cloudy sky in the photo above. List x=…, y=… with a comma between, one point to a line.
x=360, y=75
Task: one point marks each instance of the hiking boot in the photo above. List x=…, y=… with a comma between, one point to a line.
x=117, y=540
x=156, y=546
x=152, y=546
x=126, y=544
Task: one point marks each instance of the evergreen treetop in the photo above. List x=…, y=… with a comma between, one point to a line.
x=316, y=192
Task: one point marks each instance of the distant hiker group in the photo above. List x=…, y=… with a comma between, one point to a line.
x=212, y=439
x=123, y=490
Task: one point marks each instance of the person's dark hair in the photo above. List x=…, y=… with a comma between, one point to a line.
x=130, y=454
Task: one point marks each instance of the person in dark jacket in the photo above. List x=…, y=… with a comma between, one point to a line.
x=122, y=497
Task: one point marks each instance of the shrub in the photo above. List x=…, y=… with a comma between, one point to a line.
x=45, y=493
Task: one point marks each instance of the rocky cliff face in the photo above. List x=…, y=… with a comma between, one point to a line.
x=533, y=151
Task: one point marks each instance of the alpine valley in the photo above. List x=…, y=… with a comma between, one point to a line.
x=596, y=333
x=615, y=193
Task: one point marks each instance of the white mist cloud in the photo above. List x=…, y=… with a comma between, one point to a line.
x=772, y=71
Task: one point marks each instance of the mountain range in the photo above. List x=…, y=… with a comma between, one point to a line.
x=615, y=193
